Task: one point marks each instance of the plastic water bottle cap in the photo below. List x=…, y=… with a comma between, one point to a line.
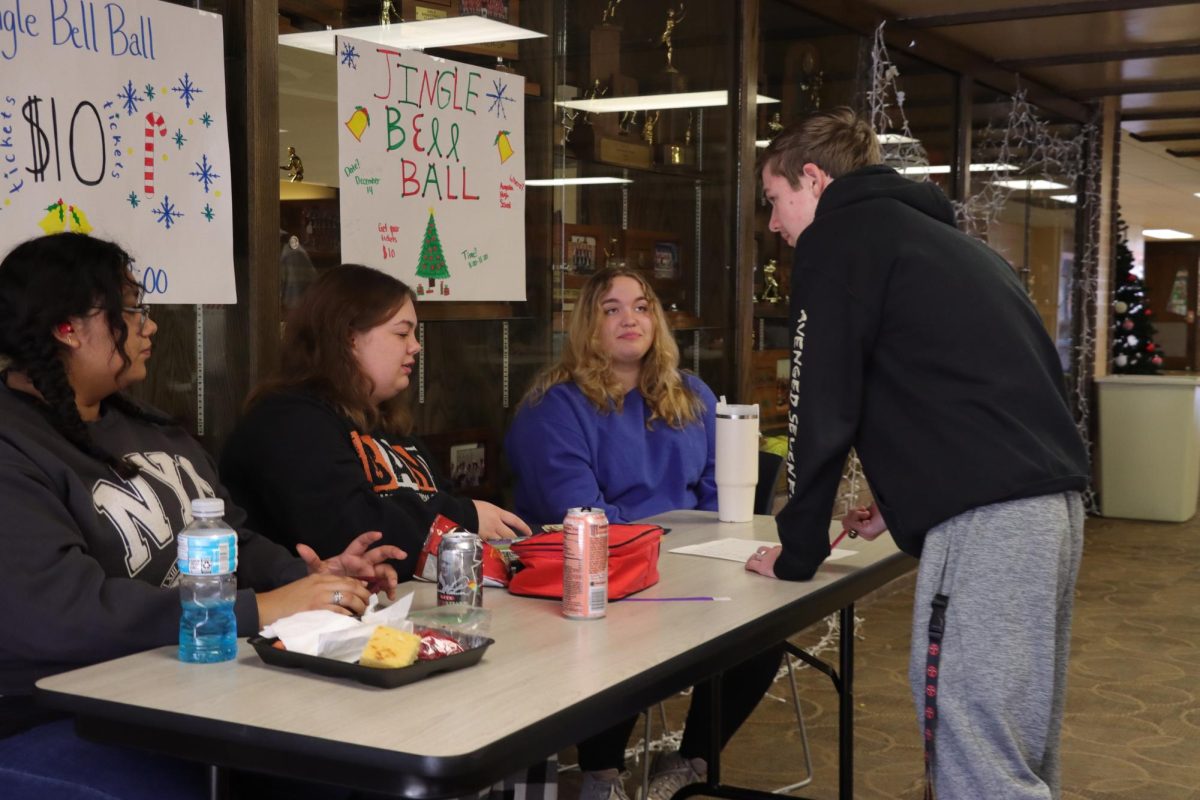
x=208, y=507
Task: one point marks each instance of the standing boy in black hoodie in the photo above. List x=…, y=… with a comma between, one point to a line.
x=917, y=345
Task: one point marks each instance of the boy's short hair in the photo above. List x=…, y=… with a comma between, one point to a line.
x=837, y=140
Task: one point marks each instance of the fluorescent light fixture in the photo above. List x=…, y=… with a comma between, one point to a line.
x=1165, y=233
x=419, y=35
x=574, y=181
x=1066, y=198
x=652, y=102
x=942, y=169
x=884, y=138
x=1197, y=194
x=1035, y=185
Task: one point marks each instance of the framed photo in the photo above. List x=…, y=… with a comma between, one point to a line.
x=468, y=465
x=666, y=260
x=469, y=459
x=581, y=253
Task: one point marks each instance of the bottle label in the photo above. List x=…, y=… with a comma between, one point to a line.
x=207, y=555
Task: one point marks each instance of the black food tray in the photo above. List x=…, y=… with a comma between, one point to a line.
x=374, y=676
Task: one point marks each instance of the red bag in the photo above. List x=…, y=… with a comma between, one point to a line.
x=632, y=562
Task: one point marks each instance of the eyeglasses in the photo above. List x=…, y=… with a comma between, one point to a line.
x=143, y=312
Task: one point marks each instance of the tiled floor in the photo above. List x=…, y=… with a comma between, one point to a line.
x=1132, y=729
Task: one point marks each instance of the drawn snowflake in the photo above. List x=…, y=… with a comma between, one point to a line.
x=149, y=91
x=129, y=98
x=186, y=90
x=499, y=99
x=179, y=138
x=166, y=213
x=206, y=120
x=207, y=213
x=349, y=55
x=133, y=200
x=204, y=172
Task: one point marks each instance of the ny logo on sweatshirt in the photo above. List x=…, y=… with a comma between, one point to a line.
x=145, y=508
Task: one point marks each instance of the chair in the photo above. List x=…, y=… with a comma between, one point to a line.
x=770, y=465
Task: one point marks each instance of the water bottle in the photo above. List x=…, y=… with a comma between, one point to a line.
x=207, y=560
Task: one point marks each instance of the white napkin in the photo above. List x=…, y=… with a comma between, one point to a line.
x=337, y=636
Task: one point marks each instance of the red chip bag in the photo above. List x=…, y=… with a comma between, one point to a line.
x=435, y=644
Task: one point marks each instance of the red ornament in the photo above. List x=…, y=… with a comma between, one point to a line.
x=1150, y=347
x=1127, y=324
x=1149, y=312
x=1156, y=361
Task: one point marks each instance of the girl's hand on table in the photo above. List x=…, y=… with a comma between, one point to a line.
x=359, y=560
x=496, y=523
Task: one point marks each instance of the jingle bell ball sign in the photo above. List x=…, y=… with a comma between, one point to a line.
x=432, y=164
x=112, y=123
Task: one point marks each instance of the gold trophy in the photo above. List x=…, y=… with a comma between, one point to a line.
x=608, y=136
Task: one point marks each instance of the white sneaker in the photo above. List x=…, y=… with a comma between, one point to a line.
x=602, y=785
x=669, y=773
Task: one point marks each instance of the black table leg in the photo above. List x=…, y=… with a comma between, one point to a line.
x=846, y=705
x=218, y=783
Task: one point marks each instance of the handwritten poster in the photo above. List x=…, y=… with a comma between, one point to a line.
x=112, y=123
x=432, y=161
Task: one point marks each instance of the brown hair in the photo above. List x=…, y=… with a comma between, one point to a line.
x=585, y=362
x=836, y=140
x=317, y=352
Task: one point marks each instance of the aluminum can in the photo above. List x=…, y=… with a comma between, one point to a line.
x=460, y=569
x=585, y=563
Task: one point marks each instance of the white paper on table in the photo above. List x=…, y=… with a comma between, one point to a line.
x=332, y=635
x=740, y=550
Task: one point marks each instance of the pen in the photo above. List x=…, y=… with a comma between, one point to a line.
x=670, y=599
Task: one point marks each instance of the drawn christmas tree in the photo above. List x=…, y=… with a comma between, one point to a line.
x=432, y=264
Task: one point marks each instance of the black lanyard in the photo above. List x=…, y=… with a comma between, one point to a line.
x=933, y=654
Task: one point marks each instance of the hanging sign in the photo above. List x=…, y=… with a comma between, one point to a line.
x=112, y=123
x=432, y=163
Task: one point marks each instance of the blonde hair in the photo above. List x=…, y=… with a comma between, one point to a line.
x=837, y=140
x=585, y=362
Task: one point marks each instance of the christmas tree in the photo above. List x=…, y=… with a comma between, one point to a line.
x=432, y=264
x=1133, y=347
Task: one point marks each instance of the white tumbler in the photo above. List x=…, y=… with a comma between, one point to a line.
x=737, y=461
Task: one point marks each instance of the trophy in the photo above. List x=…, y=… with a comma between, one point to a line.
x=674, y=129
x=610, y=137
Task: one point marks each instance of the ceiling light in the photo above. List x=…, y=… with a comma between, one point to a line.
x=652, y=102
x=1197, y=194
x=884, y=138
x=445, y=32
x=574, y=181
x=942, y=169
x=1066, y=198
x=1165, y=233
x=1035, y=185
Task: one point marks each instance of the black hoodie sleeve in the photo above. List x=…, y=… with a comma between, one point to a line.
x=291, y=463
x=831, y=326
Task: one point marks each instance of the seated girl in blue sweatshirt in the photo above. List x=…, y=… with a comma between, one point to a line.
x=617, y=425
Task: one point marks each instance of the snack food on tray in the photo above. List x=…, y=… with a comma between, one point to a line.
x=437, y=645
x=389, y=648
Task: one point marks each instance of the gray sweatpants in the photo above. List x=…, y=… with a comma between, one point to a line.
x=1009, y=572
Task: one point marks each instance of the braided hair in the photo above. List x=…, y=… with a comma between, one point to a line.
x=44, y=282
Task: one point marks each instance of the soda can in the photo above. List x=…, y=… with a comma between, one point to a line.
x=585, y=563
x=460, y=569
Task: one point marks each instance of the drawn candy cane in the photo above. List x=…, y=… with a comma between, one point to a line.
x=153, y=121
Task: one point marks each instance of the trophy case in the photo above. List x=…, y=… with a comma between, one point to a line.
x=641, y=152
